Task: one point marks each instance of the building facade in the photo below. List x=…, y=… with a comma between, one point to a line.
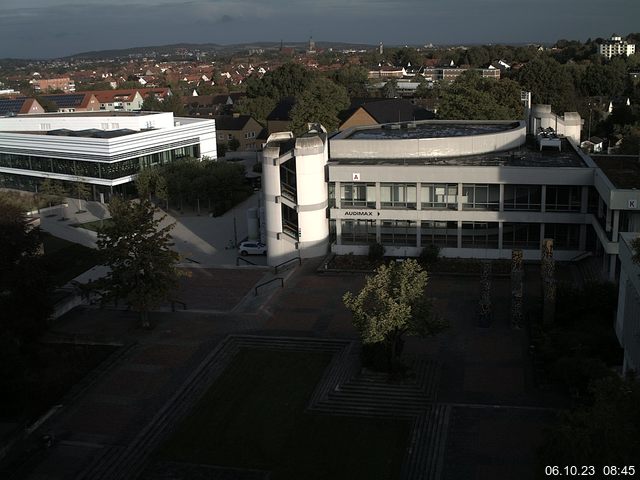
x=103, y=150
x=476, y=189
x=616, y=46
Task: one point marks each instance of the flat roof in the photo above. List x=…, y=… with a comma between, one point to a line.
x=101, y=113
x=622, y=170
x=429, y=129
x=528, y=155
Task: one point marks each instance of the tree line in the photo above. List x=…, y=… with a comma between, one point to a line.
x=202, y=185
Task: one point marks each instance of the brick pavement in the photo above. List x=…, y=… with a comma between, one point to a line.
x=479, y=365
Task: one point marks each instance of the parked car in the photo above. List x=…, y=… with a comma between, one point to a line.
x=252, y=248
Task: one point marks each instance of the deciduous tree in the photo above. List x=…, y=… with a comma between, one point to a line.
x=391, y=304
x=142, y=264
x=320, y=102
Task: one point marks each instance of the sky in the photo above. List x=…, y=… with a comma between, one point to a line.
x=55, y=28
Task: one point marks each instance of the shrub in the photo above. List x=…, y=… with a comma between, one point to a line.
x=430, y=254
x=376, y=251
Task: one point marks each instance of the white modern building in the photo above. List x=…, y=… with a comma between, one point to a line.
x=106, y=150
x=616, y=46
x=476, y=189
x=628, y=315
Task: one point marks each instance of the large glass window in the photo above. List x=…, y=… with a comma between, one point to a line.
x=358, y=232
x=399, y=233
x=563, y=198
x=480, y=234
x=521, y=235
x=480, y=197
x=522, y=197
x=566, y=236
x=288, y=184
x=88, y=169
x=331, y=194
x=359, y=195
x=397, y=195
x=439, y=195
x=290, y=221
x=442, y=234
x=63, y=166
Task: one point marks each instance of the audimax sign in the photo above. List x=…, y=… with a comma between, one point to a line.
x=360, y=213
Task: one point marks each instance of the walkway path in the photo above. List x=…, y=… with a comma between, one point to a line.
x=487, y=417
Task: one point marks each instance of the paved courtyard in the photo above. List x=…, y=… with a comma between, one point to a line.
x=497, y=415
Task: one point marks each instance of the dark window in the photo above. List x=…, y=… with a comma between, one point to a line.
x=521, y=235
x=442, y=234
x=480, y=234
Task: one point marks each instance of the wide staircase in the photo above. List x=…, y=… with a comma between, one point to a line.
x=345, y=389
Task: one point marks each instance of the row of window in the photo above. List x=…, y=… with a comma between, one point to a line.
x=84, y=168
x=445, y=234
x=229, y=136
x=446, y=196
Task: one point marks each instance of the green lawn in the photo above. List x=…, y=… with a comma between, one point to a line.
x=66, y=260
x=253, y=417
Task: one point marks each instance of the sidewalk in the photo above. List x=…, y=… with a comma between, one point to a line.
x=201, y=240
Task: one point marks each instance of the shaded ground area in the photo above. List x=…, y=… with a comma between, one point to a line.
x=216, y=288
x=253, y=417
x=494, y=443
x=487, y=366
x=52, y=369
x=66, y=260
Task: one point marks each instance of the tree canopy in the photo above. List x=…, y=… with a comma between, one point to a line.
x=549, y=83
x=604, y=432
x=137, y=250
x=321, y=102
x=24, y=283
x=354, y=78
x=391, y=304
x=287, y=80
x=221, y=184
x=471, y=97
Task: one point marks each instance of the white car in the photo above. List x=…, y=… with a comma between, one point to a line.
x=252, y=248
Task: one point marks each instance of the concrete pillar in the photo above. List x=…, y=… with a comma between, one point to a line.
x=459, y=204
x=584, y=202
x=311, y=157
x=278, y=249
x=616, y=225
x=543, y=201
x=612, y=267
x=459, y=231
x=419, y=196
x=582, y=239
x=500, y=232
x=501, y=205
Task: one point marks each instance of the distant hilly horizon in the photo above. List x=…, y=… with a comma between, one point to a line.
x=231, y=48
x=211, y=46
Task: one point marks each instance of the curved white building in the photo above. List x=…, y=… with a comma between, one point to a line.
x=295, y=195
x=475, y=189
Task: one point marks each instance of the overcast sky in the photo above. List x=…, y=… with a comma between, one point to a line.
x=52, y=28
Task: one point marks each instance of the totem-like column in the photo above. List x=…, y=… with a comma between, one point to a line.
x=517, y=275
x=484, y=311
x=548, y=273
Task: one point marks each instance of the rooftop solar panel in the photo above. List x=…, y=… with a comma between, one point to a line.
x=72, y=100
x=11, y=105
